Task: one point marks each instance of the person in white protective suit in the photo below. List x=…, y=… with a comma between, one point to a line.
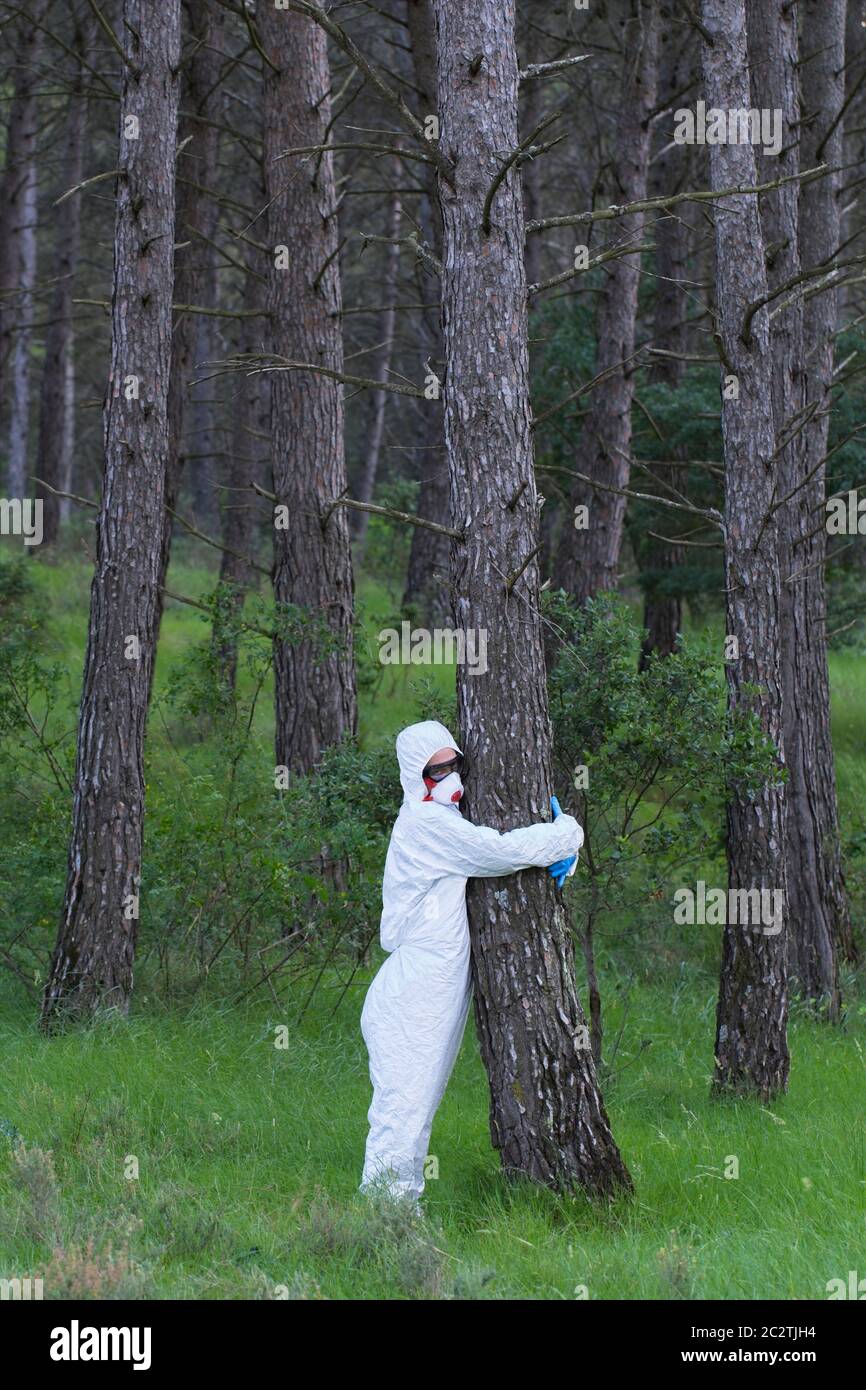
x=415, y=1011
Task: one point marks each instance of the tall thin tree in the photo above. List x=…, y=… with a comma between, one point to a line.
x=315, y=695
x=373, y=451
x=18, y=212
x=426, y=593
x=92, y=964
x=588, y=557
x=547, y=1117
x=751, y=1048
x=659, y=560
x=198, y=146
x=821, y=901
x=56, y=439
x=812, y=957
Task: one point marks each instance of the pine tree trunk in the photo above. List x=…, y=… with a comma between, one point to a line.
x=811, y=952
x=91, y=968
x=18, y=253
x=242, y=465
x=546, y=1113
x=751, y=1028
x=197, y=171
x=67, y=450
x=56, y=420
x=383, y=365
x=663, y=614
x=20, y=484
x=315, y=692
x=588, y=558
x=426, y=594
x=17, y=189
x=822, y=899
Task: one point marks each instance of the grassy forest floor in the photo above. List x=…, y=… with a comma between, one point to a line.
x=180, y=1154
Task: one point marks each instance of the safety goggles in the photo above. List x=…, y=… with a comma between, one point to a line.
x=436, y=771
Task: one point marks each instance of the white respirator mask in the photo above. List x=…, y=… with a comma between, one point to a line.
x=447, y=792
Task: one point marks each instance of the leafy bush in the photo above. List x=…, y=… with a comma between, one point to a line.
x=661, y=754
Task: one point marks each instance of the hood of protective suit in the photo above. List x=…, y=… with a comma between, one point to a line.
x=415, y=747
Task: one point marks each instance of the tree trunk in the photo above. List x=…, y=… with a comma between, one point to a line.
x=589, y=557
x=775, y=86
x=426, y=595
x=197, y=165
x=546, y=1113
x=206, y=433
x=751, y=1055
x=18, y=212
x=532, y=111
x=92, y=963
x=67, y=452
x=315, y=692
x=821, y=900
x=663, y=613
x=19, y=417
x=241, y=466
x=383, y=365
x=56, y=418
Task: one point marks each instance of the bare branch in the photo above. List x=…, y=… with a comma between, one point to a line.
x=347, y=145
x=420, y=248
x=709, y=512
x=408, y=517
x=613, y=254
x=107, y=29
x=270, y=363
x=109, y=174
x=826, y=268
x=522, y=149
x=375, y=78
x=545, y=69
x=652, y=204
x=191, y=309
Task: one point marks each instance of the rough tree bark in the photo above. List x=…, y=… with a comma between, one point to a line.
x=426, y=594
x=56, y=422
x=546, y=1113
x=751, y=1053
x=773, y=42
x=588, y=559
x=92, y=964
x=532, y=111
x=821, y=904
x=315, y=692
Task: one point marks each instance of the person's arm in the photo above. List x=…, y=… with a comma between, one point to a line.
x=476, y=851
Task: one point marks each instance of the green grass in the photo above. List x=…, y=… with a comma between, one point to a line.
x=248, y=1156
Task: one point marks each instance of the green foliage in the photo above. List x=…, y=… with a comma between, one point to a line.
x=386, y=551
x=26, y=679
x=661, y=751
x=668, y=423
x=238, y=1140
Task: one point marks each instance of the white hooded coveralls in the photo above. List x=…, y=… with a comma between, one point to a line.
x=416, y=1007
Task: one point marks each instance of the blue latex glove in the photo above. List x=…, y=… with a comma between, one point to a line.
x=559, y=871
